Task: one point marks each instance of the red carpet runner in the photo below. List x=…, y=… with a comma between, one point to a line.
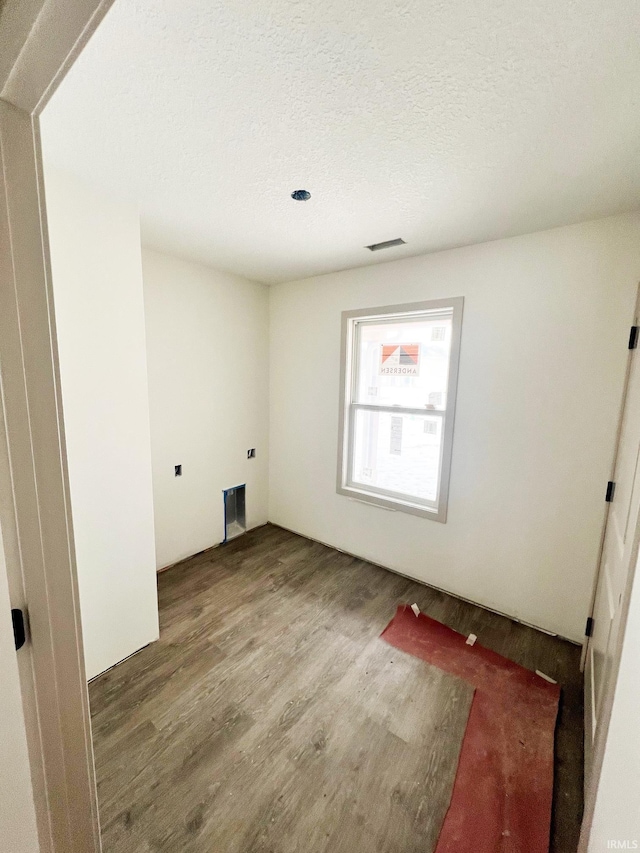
x=501, y=801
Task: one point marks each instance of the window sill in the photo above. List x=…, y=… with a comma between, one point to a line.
x=434, y=514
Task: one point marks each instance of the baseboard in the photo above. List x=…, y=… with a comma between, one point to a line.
x=431, y=586
x=114, y=665
x=206, y=550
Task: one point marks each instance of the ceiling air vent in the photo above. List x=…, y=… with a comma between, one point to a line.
x=374, y=247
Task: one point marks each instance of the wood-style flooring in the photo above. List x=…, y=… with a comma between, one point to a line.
x=270, y=718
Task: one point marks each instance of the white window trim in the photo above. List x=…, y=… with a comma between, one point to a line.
x=438, y=511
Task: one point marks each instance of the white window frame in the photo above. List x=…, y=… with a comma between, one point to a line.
x=351, y=323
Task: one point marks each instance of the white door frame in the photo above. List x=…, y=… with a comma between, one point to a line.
x=602, y=730
x=635, y=319
x=40, y=40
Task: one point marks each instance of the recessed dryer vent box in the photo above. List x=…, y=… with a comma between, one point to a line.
x=235, y=515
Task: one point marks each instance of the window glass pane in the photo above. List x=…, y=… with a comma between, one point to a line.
x=397, y=453
x=404, y=362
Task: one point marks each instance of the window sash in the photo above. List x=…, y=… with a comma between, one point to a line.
x=398, y=410
x=408, y=316
x=365, y=489
x=405, y=316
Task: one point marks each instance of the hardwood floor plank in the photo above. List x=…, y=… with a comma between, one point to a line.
x=270, y=718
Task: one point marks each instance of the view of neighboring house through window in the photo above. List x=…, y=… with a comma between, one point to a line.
x=399, y=381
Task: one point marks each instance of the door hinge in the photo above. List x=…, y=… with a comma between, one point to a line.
x=611, y=490
x=588, y=631
x=633, y=337
x=19, y=628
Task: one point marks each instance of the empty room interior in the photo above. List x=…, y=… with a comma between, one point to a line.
x=346, y=315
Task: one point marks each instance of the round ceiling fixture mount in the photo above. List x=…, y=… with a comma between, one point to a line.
x=301, y=195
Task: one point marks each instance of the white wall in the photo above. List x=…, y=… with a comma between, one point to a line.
x=617, y=815
x=98, y=294
x=17, y=814
x=545, y=328
x=207, y=339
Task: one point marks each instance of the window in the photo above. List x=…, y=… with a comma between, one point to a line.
x=399, y=375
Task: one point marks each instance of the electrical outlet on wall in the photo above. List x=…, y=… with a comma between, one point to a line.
x=251, y=454
x=177, y=470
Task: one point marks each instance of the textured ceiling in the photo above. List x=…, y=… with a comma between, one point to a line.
x=445, y=122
